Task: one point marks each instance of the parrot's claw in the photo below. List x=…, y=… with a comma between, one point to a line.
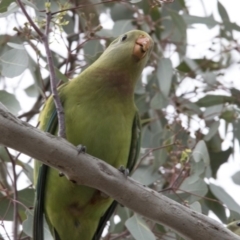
x=81, y=149
x=124, y=170
x=60, y=174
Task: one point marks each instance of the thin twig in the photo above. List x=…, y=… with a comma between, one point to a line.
x=39, y=32
x=149, y=152
x=53, y=79
x=15, y=197
x=84, y=6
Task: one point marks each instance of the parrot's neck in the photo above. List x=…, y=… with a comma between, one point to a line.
x=117, y=82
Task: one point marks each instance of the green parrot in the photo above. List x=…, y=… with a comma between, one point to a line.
x=234, y=227
x=100, y=114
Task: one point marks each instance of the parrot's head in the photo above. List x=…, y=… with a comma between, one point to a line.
x=134, y=46
x=128, y=53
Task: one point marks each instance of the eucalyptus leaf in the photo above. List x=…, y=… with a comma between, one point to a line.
x=4, y=5
x=200, y=152
x=210, y=100
x=223, y=196
x=165, y=74
x=236, y=178
x=122, y=26
x=209, y=21
x=9, y=100
x=196, y=188
x=14, y=62
x=212, y=130
x=138, y=228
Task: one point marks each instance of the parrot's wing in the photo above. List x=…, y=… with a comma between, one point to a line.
x=135, y=143
x=132, y=159
x=38, y=222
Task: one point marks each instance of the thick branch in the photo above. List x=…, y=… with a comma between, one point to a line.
x=87, y=170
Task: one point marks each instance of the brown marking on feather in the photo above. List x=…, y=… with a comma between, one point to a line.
x=118, y=81
x=97, y=197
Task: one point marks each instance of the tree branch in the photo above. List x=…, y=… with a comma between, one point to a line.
x=90, y=171
x=53, y=79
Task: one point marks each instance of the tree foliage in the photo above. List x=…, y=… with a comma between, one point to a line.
x=188, y=105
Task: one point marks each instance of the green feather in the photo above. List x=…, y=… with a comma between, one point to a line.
x=99, y=113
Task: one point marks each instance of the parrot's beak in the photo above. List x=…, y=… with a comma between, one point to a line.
x=142, y=44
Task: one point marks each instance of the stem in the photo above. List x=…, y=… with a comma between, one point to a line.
x=15, y=197
x=53, y=80
x=39, y=32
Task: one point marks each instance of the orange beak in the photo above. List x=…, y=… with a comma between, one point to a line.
x=141, y=46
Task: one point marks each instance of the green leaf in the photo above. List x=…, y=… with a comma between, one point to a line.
x=3, y=154
x=196, y=64
x=10, y=101
x=213, y=111
x=218, y=158
x=215, y=143
x=92, y=50
x=4, y=5
x=223, y=13
x=12, y=8
x=165, y=74
x=196, y=188
x=69, y=28
x=145, y=175
x=141, y=103
x=209, y=21
x=31, y=90
x=159, y=101
x=236, y=129
x=121, y=12
x=216, y=207
x=196, y=206
x=236, y=178
x=14, y=62
x=27, y=169
x=138, y=228
x=200, y=152
x=229, y=115
x=16, y=46
x=213, y=129
x=25, y=196
x=121, y=27
x=28, y=225
x=60, y=76
x=179, y=32
x=188, y=107
x=210, y=100
x=30, y=4
x=223, y=196
x=210, y=78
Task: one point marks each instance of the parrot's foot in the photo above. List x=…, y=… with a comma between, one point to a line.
x=81, y=149
x=124, y=170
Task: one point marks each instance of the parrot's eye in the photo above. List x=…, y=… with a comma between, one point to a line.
x=124, y=37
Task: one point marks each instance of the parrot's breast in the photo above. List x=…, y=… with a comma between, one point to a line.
x=104, y=126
